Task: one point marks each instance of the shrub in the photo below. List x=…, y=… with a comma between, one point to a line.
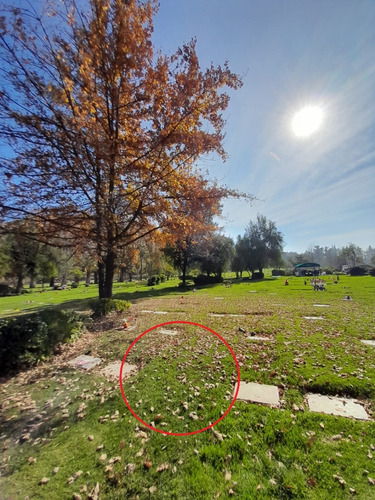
x=153, y=280
x=257, y=276
x=162, y=278
x=188, y=277
x=357, y=271
x=372, y=271
x=278, y=272
x=327, y=271
x=102, y=307
x=74, y=285
x=26, y=340
x=203, y=279
x=5, y=290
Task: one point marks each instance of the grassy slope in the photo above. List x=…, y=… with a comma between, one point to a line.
x=255, y=452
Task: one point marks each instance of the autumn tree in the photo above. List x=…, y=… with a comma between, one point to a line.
x=128, y=259
x=104, y=131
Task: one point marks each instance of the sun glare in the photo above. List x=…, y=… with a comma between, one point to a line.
x=307, y=121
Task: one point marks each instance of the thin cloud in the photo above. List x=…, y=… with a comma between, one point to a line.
x=274, y=156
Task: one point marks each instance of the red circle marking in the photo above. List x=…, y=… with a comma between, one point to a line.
x=180, y=433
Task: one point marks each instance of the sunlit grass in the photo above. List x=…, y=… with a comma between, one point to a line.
x=255, y=451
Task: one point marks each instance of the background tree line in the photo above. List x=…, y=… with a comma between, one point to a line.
x=203, y=253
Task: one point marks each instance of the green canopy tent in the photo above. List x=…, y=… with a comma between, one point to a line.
x=307, y=269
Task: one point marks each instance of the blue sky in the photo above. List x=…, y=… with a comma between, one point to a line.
x=291, y=53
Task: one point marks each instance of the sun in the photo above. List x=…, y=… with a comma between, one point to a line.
x=307, y=121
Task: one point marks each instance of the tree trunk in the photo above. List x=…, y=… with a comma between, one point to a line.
x=88, y=277
x=184, y=268
x=122, y=274
x=32, y=282
x=106, y=273
x=52, y=281
x=96, y=277
x=141, y=270
x=101, y=272
x=63, y=280
x=19, y=285
x=130, y=276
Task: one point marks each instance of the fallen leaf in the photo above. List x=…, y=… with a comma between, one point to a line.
x=44, y=480
x=227, y=476
x=130, y=468
x=147, y=464
x=163, y=467
x=91, y=438
x=152, y=489
x=94, y=495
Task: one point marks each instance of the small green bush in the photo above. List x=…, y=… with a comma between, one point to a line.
x=74, y=285
x=6, y=290
x=357, y=271
x=327, y=271
x=203, y=279
x=372, y=271
x=278, y=272
x=102, y=307
x=153, y=280
x=162, y=278
x=26, y=340
x=257, y=276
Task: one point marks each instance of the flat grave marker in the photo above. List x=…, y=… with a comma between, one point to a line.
x=165, y=331
x=258, y=393
x=85, y=362
x=343, y=407
x=154, y=312
x=112, y=370
x=261, y=339
x=369, y=342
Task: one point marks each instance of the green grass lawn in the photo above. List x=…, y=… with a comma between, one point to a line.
x=80, y=437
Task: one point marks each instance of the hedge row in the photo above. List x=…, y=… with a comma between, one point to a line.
x=27, y=340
